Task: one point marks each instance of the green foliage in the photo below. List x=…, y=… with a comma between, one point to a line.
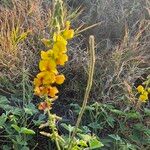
x=14, y=123
x=124, y=129
x=83, y=139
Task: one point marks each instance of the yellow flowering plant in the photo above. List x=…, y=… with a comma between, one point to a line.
x=144, y=91
x=46, y=81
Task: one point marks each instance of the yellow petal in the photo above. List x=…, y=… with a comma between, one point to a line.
x=145, y=93
x=37, y=91
x=49, y=78
x=56, y=51
x=143, y=98
x=59, y=47
x=37, y=82
x=68, y=34
x=52, y=91
x=59, y=38
x=62, y=59
x=47, y=65
x=140, y=89
x=60, y=79
x=46, y=54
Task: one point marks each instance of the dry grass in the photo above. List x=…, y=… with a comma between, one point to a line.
x=122, y=49
x=23, y=23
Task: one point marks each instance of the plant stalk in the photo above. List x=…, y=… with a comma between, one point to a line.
x=52, y=127
x=88, y=88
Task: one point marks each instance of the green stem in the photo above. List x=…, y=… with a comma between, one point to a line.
x=53, y=128
x=88, y=88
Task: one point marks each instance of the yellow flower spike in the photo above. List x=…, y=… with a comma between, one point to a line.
x=60, y=79
x=148, y=90
x=48, y=65
x=46, y=54
x=68, y=34
x=52, y=91
x=140, y=89
x=62, y=59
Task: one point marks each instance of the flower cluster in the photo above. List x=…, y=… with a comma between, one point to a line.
x=143, y=93
x=46, y=81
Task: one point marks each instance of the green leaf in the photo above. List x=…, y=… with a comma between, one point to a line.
x=85, y=137
x=90, y=108
x=40, y=120
x=17, y=128
x=21, y=141
x=3, y=118
x=25, y=130
x=110, y=120
x=147, y=111
x=30, y=109
x=67, y=127
x=133, y=115
x=82, y=143
x=3, y=101
x=17, y=111
x=25, y=148
x=94, y=143
x=115, y=137
x=6, y=147
x=118, y=112
x=95, y=125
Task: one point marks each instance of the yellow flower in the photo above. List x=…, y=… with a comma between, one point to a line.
x=59, y=47
x=52, y=91
x=62, y=59
x=140, y=89
x=47, y=77
x=37, y=91
x=59, y=38
x=148, y=90
x=48, y=65
x=60, y=79
x=37, y=82
x=143, y=97
x=46, y=55
x=68, y=34
x=40, y=91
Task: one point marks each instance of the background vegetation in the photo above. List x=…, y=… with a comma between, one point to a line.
x=122, y=63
